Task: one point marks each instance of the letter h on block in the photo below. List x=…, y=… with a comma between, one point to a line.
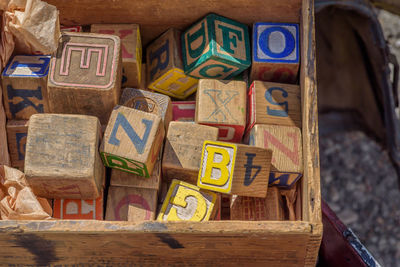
x=276, y=52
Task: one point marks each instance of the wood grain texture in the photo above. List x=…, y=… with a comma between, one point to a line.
x=17, y=131
x=4, y=154
x=131, y=50
x=222, y=104
x=91, y=86
x=79, y=209
x=182, y=151
x=61, y=157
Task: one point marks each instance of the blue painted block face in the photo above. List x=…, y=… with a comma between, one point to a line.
x=27, y=66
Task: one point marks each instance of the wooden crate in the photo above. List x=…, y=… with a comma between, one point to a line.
x=266, y=243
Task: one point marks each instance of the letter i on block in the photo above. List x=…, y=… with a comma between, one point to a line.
x=79, y=209
x=276, y=52
x=216, y=48
x=17, y=132
x=165, y=69
x=287, y=153
x=234, y=169
x=187, y=202
x=24, y=82
x=132, y=141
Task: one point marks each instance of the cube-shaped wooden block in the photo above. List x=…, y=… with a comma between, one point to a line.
x=183, y=110
x=141, y=203
x=24, y=82
x=276, y=52
x=131, y=50
x=165, y=72
x=234, y=169
x=187, y=202
x=85, y=75
x=62, y=158
x=157, y=104
x=273, y=103
x=79, y=209
x=216, y=48
x=71, y=28
x=223, y=105
x=17, y=132
x=132, y=141
x=182, y=151
x=287, y=153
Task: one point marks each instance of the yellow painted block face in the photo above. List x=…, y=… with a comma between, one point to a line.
x=175, y=83
x=186, y=202
x=217, y=165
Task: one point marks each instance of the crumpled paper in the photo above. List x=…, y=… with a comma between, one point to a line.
x=17, y=201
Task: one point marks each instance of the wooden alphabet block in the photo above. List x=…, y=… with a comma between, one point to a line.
x=274, y=103
x=131, y=49
x=79, y=209
x=276, y=52
x=150, y=102
x=186, y=202
x=258, y=209
x=85, y=75
x=216, y=48
x=132, y=141
x=182, y=151
x=17, y=132
x=183, y=110
x=222, y=105
x=71, y=28
x=61, y=157
x=234, y=169
x=24, y=82
x=135, y=204
x=287, y=153
x=165, y=69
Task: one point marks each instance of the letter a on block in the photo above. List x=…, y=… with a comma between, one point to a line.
x=217, y=165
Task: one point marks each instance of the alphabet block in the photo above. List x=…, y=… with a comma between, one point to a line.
x=85, y=75
x=258, y=209
x=165, y=69
x=216, y=48
x=129, y=203
x=274, y=103
x=71, y=28
x=17, y=132
x=222, y=105
x=182, y=151
x=132, y=141
x=150, y=102
x=78, y=209
x=61, y=157
x=183, y=110
x=24, y=82
x=234, y=169
x=186, y=202
x=131, y=49
x=287, y=157
x=276, y=52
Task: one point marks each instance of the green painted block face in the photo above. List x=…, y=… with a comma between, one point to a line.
x=216, y=47
x=124, y=164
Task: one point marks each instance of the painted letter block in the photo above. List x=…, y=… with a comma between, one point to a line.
x=274, y=103
x=165, y=69
x=276, y=52
x=287, y=153
x=222, y=105
x=79, y=209
x=182, y=151
x=157, y=104
x=24, y=82
x=131, y=49
x=85, y=75
x=183, y=110
x=61, y=157
x=234, y=169
x=129, y=203
x=132, y=141
x=186, y=202
x=216, y=48
x=71, y=28
x=17, y=132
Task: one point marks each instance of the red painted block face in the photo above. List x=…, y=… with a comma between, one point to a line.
x=71, y=28
x=78, y=209
x=183, y=110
